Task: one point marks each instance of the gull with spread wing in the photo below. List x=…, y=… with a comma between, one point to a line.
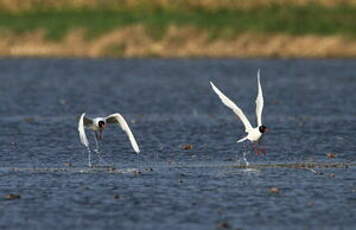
x=99, y=124
x=253, y=134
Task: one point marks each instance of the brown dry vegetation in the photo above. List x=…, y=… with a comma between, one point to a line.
x=134, y=41
x=23, y=5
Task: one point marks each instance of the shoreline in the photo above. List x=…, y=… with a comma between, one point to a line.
x=177, y=42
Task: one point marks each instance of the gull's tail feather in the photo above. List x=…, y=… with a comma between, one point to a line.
x=242, y=139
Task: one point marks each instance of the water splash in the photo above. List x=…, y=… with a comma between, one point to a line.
x=89, y=157
x=97, y=151
x=245, y=151
x=245, y=159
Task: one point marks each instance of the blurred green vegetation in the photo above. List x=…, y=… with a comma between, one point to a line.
x=220, y=23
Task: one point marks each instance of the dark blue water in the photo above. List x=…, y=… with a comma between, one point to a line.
x=310, y=108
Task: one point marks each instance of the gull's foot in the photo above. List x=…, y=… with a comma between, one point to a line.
x=260, y=151
x=99, y=136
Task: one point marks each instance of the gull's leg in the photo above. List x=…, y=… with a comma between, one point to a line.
x=245, y=159
x=96, y=135
x=89, y=157
x=254, y=148
x=245, y=153
x=264, y=151
x=97, y=150
x=258, y=150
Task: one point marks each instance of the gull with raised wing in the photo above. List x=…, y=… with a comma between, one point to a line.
x=253, y=134
x=99, y=124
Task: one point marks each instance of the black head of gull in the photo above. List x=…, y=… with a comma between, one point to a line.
x=263, y=129
x=101, y=124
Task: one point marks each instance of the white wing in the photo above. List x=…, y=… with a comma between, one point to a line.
x=117, y=118
x=234, y=108
x=83, y=137
x=259, y=101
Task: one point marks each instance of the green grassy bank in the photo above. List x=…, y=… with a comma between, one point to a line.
x=221, y=23
x=187, y=28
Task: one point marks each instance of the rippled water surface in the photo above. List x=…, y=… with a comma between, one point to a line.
x=310, y=108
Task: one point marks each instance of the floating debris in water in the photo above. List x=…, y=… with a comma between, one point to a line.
x=29, y=119
x=224, y=225
x=274, y=190
x=332, y=175
x=310, y=204
x=68, y=164
x=116, y=196
x=187, y=147
x=331, y=155
x=12, y=196
x=13, y=143
x=228, y=159
x=313, y=171
x=63, y=101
